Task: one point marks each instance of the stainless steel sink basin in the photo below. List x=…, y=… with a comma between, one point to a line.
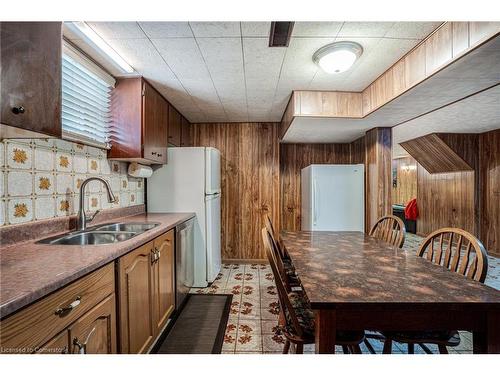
x=125, y=227
x=89, y=238
x=101, y=234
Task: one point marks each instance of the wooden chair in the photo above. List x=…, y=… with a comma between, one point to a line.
x=390, y=229
x=298, y=326
x=276, y=237
x=460, y=252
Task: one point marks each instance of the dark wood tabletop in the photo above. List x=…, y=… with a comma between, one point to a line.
x=336, y=268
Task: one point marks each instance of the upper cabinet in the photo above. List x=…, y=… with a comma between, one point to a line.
x=186, y=133
x=139, y=122
x=174, y=126
x=30, y=96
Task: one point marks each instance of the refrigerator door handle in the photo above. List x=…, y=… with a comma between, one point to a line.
x=315, y=201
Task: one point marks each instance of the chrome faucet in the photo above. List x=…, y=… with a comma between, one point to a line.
x=82, y=220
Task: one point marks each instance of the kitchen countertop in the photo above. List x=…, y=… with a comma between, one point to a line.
x=30, y=271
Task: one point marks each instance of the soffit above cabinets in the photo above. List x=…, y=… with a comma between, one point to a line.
x=225, y=71
x=431, y=101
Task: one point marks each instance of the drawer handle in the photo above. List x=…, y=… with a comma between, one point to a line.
x=63, y=311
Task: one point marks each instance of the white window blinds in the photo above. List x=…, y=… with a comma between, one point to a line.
x=86, y=92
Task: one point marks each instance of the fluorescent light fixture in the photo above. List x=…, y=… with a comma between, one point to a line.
x=91, y=37
x=337, y=57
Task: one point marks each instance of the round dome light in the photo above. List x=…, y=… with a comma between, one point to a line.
x=337, y=57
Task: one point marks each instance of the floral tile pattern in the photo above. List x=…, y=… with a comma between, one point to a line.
x=40, y=179
x=253, y=320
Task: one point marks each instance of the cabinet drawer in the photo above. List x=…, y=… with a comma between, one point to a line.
x=34, y=325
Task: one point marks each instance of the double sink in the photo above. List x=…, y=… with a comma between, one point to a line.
x=101, y=234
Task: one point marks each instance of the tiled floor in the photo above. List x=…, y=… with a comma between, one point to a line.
x=252, y=326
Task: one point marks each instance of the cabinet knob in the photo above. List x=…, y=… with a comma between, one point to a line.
x=63, y=311
x=18, y=110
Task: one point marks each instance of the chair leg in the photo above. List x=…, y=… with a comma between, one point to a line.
x=281, y=319
x=387, y=346
x=425, y=348
x=299, y=348
x=345, y=349
x=286, y=348
x=369, y=346
x=411, y=348
x=442, y=349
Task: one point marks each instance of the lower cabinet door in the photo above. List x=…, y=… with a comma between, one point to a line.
x=135, y=289
x=163, y=279
x=95, y=331
x=57, y=345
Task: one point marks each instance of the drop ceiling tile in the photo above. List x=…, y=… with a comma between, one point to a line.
x=158, y=30
x=256, y=29
x=118, y=30
x=316, y=29
x=183, y=57
x=202, y=90
x=223, y=57
x=215, y=29
x=262, y=62
x=411, y=30
x=365, y=29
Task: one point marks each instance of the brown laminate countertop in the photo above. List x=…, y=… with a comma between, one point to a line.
x=349, y=268
x=29, y=271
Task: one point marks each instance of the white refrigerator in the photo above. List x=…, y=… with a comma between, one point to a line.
x=190, y=182
x=333, y=197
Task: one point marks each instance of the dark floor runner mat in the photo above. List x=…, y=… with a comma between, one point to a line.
x=200, y=326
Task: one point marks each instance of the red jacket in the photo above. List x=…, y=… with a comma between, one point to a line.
x=411, y=210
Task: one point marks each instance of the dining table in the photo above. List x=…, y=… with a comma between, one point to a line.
x=357, y=282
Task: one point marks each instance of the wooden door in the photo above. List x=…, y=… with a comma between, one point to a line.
x=186, y=133
x=95, y=332
x=163, y=279
x=30, y=94
x=154, y=125
x=59, y=344
x=136, y=300
x=174, y=126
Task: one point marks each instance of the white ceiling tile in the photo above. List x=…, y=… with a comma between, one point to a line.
x=365, y=29
x=215, y=29
x=316, y=29
x=223, y=57
x=256, y=29
x=157, y=30
x=183, y=56
x=262, y=62
x=411, y=30
x=117, y=30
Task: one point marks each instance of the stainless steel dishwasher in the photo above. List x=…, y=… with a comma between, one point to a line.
x=184, y=260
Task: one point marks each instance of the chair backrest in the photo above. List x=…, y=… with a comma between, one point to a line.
x=390, y=229
x=277, y=253
x=457, y=250
x=284, y=300
x=274, y=235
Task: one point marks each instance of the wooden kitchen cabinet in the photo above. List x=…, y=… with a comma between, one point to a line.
x=135, y=288
x=139, y=123
x=43, y=326
x=146, y=293
x=174, y=126
x=163, y=280
x=186, y=133
x=30, y=58
x=95, y=332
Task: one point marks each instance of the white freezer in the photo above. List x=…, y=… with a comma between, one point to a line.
x=190, y=182
x=333, y=197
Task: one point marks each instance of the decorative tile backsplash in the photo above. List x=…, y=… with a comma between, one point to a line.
x=40, y=179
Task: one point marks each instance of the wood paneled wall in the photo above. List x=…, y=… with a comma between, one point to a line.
x=294, y=157
x=489, y=171
x=250, y=182
x=378, y=156
x=406, y=180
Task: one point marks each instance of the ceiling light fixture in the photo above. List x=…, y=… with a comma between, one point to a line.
x=337, y=57
x=91, y=37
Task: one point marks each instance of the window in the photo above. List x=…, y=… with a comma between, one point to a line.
x=86, y=91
